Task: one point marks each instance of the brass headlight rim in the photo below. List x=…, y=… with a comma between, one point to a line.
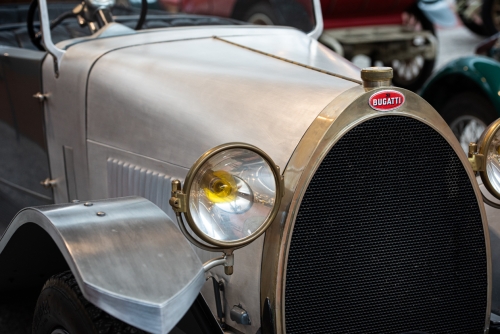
x=231, y=245
x=483, y=147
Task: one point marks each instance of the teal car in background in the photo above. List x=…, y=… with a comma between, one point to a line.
x=466, y=92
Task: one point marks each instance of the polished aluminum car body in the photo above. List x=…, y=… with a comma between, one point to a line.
x=126, y=113
x=279, y=92
x=92, y=237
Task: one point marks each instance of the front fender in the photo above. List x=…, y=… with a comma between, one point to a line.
x=127, y=256
x=474, y=72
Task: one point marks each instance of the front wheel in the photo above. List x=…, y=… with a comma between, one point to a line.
x=62, y=309
x=261, y=14
x=470, y=12
x=468, y=115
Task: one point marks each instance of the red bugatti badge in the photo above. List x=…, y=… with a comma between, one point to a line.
x=386, y=100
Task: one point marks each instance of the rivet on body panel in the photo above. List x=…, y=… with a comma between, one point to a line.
x=48, y=183
x=40, y=97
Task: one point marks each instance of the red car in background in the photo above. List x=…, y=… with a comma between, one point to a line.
x=392, y=33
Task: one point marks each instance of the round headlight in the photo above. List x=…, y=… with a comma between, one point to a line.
x=489, y=147
x=233, y=194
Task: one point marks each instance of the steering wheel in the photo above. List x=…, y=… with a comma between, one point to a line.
x=36, y=37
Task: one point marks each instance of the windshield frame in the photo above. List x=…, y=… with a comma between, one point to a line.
x=58, y=53
x=318, y=17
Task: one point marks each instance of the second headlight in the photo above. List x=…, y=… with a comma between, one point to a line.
x=488, y=158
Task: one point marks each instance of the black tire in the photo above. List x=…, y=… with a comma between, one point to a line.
x=478, y=29
x=490, y=13
x=424, y=66
x=468, y=114
x=61, y=306
x=472, y=26
x=261, y=14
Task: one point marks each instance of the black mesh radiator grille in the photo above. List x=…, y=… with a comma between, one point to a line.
x=388, y=238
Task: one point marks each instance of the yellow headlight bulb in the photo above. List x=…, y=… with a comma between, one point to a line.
x=220, y=187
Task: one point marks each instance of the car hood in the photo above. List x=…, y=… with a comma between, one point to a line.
x=174, y=100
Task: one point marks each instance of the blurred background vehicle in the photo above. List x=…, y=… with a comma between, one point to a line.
x=399, y=34
x=466, y=91
x=480, y=16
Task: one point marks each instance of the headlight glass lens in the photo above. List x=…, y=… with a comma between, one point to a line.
x=232, y=194
x=493, y=162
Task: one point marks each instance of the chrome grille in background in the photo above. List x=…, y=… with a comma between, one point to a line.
x=388, y=238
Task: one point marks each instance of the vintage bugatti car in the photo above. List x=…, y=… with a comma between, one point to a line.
x=229, y=177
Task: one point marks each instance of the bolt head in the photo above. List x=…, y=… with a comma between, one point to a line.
x=101, y=214
x=228, y=270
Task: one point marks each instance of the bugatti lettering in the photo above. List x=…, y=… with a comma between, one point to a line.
x=386, y=100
